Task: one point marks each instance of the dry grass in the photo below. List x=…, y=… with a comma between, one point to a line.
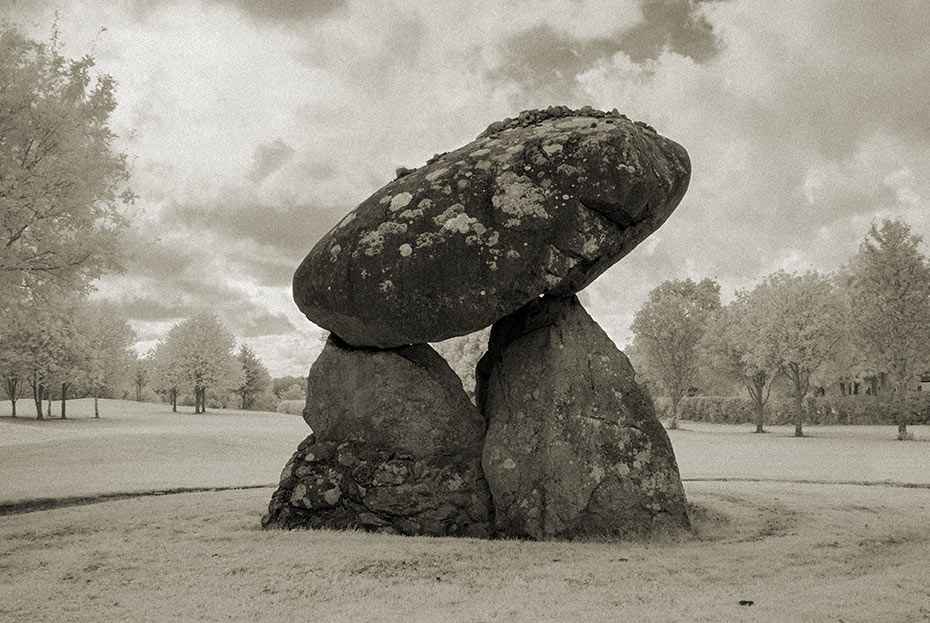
x=799, y=552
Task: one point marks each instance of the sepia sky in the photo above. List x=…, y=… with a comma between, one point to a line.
x=254, y=126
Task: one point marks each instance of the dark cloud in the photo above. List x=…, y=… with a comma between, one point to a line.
x=238, y=217
x=172, y=300
x=288, y=12
x=268, y=158
x=672, y=24
x=265, y=324
x=544, y=61
x=267, y=267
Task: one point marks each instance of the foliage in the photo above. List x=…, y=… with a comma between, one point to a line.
x=197, y=353
x=293, y=407
x=667, y=330
x=289, y=387
x=107, y=340
x=819, y=411
x=255, y=378
x=462, y=355
x=799, y=326
x=731, y=348
x=889, y=295
x=61, y=182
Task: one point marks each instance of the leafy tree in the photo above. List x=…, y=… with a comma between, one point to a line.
x=731, y=347
x=667, y=329
x=61, y=182
x=14, y=361
x=107, y=342
x=141, y=374
x=799, y=326
x=289, y=387
x=255, y=377
x=166, y=374
x=201, y=349
x=44, y=350
x=889, y=287
x=462, y=354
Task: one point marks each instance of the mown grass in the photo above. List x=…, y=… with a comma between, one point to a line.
x=823, y=551
x=798, y=552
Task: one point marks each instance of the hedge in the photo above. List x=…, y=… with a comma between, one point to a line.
x=821, y=410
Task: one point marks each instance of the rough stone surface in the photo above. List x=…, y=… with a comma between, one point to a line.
x=573, y=447
x=396, y=447
x=541, y=204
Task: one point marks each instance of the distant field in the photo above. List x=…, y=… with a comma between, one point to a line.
x=140, y=446
x=819, y=550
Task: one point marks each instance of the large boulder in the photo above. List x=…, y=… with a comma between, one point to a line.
x=573, y=447
x=542, y=204
x=396, y=447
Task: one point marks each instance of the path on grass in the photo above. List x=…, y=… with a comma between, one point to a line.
x=42, y=504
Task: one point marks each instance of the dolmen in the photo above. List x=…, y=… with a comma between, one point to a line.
x=503, y=232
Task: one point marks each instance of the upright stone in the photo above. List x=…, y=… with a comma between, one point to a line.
x=573, y=447
x=396, y=447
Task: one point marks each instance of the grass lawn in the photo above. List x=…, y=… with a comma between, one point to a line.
x=826, y=549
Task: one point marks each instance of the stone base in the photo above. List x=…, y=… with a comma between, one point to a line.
x=357, y=485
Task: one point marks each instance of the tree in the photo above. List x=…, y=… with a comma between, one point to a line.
x=14, y=362
x=61, y=182
x=106, y=339
x=889, y=296
x=141, y=374
x=200, y=349
x=255, y=377
x=731, y=346
x=289, y=387
x=462, y=354
x=667, y=329
x=800, y=321
x=166, y=374
x=43, y=348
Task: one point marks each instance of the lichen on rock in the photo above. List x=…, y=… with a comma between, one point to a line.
x=592, y=184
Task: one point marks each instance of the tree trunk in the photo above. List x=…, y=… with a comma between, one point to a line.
x=174, y=400
x=798, y=414
x=64, y=398
x=96, y=407
x=760, y=417
x=902, y=431
x=37, y=392
x=11, y=392
x=203, y=399
x=48, y=398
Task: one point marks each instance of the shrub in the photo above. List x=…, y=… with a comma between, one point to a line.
x=294, y=407
x=818, y=411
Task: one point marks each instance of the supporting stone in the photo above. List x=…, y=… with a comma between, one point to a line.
x=573, y=447
x=396, y=447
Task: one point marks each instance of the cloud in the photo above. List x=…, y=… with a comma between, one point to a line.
x=268, y=158
x=254, y=127
x=287, y=12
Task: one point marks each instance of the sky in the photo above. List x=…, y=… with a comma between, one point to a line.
x=253, y=127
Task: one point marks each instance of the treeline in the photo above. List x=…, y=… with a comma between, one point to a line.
x=63, y=200
x=64, y=205
x=197, y=364
x=850, y=346
x=860, y=409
